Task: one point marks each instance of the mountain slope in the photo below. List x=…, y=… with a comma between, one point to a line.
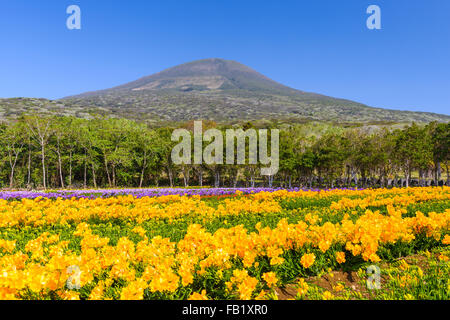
x=207, y=74
x=221, y=90
x=213, y=89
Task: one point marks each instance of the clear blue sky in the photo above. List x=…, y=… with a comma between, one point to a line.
x=320, y=46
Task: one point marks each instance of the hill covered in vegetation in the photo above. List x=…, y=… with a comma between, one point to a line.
x=211, y=89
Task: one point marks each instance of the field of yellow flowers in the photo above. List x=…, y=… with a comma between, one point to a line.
x=243, y=246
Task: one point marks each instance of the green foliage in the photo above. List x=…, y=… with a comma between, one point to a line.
x=59, y=152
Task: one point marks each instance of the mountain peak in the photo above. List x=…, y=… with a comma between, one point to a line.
x=211, y=66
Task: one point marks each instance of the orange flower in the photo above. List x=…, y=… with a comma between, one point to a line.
x=339, y=287
x=198, y=296
x=270, y=278
x=134, y=291
x=340, y=257
x=308, y=260
x=446, y=239
x=443, y=257
x=261, y=295
x=327, y=295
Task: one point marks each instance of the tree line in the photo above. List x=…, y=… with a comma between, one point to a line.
x=67, y=152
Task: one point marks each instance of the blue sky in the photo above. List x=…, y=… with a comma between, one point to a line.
x=320, y=46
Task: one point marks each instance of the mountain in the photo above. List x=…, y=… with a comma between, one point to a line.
x=205, y=75
x=220, y=90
